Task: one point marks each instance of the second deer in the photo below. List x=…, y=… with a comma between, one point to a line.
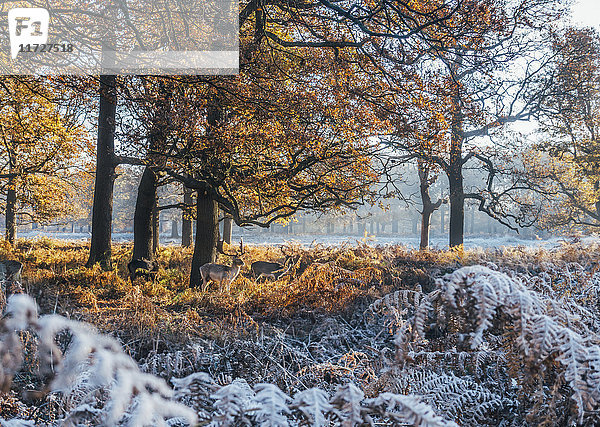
x=273, y=270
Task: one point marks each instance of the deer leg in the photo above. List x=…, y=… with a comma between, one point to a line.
x=204, y=282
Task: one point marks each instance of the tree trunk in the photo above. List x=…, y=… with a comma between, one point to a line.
x=11, y=208
x=155, y=227
x=100, y=246
x=227, y=229
x=186, y=220
x=425, y=220
x=143, y=229
x=174, y=229
x=207, y=234
x=454, y=173
x=428, y=207
x=457, y=209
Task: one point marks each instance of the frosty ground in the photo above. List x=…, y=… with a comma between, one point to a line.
x=306, y=240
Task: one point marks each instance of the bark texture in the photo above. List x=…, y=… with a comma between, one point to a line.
x=143, y=227
x=100, y=246
x=207, y=234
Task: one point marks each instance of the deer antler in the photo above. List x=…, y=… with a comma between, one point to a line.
x=221, y=250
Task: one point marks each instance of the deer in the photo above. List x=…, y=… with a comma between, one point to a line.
x=142, y=268
x=220, y=273
x=273, y=270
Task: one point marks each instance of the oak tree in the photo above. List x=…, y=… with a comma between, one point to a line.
x=43, y=151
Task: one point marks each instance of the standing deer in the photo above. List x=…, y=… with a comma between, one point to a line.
x=142, y=268
x=220, y=273
x=273, y=270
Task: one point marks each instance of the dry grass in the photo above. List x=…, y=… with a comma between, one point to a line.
x=167, y=312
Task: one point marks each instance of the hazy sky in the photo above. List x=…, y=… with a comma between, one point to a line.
x=587, y=13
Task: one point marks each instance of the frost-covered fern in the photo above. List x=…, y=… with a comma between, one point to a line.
x=314, y=404
x=94, y=362
x=407, y=410
x=538, y=337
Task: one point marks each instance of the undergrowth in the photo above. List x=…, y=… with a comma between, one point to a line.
x=512, y=340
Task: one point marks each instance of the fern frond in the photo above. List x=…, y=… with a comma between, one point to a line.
x=407, y=409
x=348, y=405
x=314, y=404
x=271, y=405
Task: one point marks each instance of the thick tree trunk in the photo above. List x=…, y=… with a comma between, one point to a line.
x=100, y=246
x=155, y=227
x=186, y=220
x=11, y=211
x=207, y=234
x=207, y=209
x=143, y=229
x=457, y=209
x=454, y=173
x=227, y=229
x=425, y=221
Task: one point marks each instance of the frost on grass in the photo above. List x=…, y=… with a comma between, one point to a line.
x=513, y=342
x=236, y=404
x=92, y=362
x=100, y=385
x=546, y=347
x=314, y=405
